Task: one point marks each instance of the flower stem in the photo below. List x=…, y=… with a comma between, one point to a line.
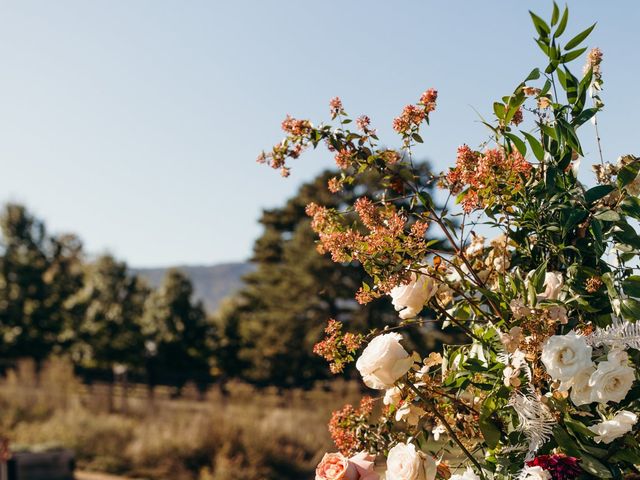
x=448, y=427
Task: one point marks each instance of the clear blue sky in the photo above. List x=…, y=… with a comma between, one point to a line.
x=136, y=124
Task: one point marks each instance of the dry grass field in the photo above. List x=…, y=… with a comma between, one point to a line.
x=248, y=435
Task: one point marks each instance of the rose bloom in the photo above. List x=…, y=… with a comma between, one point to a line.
x=612, y=379
x=581, y=392
x=564, y=356
x=406, y=463
x=409, y=299
x=335, y=466
x=553, y=283
x=608, y=430
x=535, y=473
x=383, y=361
x=469, y=474
x=559, y=466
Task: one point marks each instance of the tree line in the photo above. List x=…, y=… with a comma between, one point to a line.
x=54, y=299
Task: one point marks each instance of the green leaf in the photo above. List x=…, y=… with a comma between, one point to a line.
x=562, y=78
x=565, y=442
x=536, y=147
x=570, y=134
x=590, y=465
x=567, y=57
x=541, y=26
x=517, y=141
x=534, y=75
x=543, y=46
x=563, y=23
x=417, y=138
x=584, y=117
x=551, y=132
x=577, y=427
x=555, y=14
x=490, y=431
x=537, y=279
x=575, y=41
x=499, y=110
x=571, y=85
x=607, y=216
x=631, y=286
x=628, y=173
x=630, y=206
x=596, y=193
x=626, y=455
x=553, y=65
x=630, y=309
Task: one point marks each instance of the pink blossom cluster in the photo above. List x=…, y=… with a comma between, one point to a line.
x=484, y=174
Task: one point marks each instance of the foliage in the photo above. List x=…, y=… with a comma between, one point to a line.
x=177, y=331
x=533, y=393
x=38, y=274
x=53, y=301
x=113, y=302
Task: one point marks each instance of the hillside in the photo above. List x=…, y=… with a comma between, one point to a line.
x=211, y=283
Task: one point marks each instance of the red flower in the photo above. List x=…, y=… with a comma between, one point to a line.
x=560, y=466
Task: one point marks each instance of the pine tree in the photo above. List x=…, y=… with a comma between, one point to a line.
x=38, y=275
x=179, y=333
x=110, y=332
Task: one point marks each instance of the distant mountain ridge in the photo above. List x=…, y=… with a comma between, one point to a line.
x=211, y=283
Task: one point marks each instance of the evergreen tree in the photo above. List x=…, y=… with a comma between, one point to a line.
x=282, y=310
x=179, y=334
x=110, y=332
x=38, y=275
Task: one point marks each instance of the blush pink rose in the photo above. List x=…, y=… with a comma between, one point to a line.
x=335, y=466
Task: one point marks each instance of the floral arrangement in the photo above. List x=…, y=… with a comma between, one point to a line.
x=546, y=387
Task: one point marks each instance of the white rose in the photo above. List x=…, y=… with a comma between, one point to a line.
x=553, y=282
x=608, y=430
x=565, y=356
x=409, y=299
x=469, y=474
x=612, y=379
x=384, y=361
x=406, y=463
x=581, y=392
x=535, y=473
